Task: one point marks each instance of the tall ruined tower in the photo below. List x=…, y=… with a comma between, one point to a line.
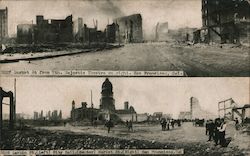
x=72, y=113
x=3, y=23
x=107, y=102
x=196, y=111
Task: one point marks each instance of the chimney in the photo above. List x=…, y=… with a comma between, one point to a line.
x=126, y=105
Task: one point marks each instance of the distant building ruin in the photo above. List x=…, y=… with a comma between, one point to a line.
x=129, y=29
x=224, y=21
x=50, y=115
x=86, y=35
x=196, y=112
x=128, y=113
x=182, y=34
x=77, y=29
x=53, y=30
x=25, y=33
x=46, y=31
x=3, y=24
x=83, y=112
x=161, y=32
x=185, y=115
x=111, y=33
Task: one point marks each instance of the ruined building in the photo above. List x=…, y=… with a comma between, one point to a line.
x=128, y=113
x=224, y=21
x=111, y=33
x=77, y=26
x=87, y=35
x=129, y=29
x=185, y=115
x=92, y=34
x=46, y=31
x=50, y=115
x=83, y=112
x=54, y=30
x=161, y=31
x=230, y=110
x=182, y=34
x=196, y=112
x=25, y=33
x=3, y=24
x=107, y=108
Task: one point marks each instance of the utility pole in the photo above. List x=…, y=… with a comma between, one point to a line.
x=14, y=108
x=119, y=40
x=92, y=109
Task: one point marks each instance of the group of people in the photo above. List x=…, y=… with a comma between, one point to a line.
x=165, y=123
x=109, y=124
x=216, y=131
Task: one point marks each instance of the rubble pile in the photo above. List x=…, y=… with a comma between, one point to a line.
x=61, y=140
x=43, y=139
x=38, y=48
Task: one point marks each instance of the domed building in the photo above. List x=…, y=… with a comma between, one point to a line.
x=107, y=109
x=107, y=102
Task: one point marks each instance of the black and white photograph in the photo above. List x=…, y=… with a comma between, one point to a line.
x=125, y=77
x=199, y=37
x=201, y=116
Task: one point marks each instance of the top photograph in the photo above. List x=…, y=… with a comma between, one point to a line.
x=199, y=38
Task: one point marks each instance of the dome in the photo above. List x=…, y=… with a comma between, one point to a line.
x=107, y=85
x=131, y=108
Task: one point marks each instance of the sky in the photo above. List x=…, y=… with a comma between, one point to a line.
x=146, y=95
x=179, y=13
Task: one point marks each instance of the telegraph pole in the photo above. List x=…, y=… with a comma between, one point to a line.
x=14, y=108
x=92, y=109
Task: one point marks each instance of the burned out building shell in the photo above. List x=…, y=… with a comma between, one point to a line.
x=54, y=30
x=224, y=21
x=111, y=33
x=128, y=113
x=129, y=29
x=161, y=31
x=83, y=112
x=25, y=33
x=3, y=24
x=46, y=31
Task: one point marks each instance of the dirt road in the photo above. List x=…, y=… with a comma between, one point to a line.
x=185, y=135
x=193, y=60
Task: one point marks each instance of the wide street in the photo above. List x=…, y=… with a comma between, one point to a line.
x=183, y=136
x=197, y=60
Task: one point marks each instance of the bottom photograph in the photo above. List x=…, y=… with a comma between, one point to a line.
x=124, y=116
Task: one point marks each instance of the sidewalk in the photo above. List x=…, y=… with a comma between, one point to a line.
x=9, y=58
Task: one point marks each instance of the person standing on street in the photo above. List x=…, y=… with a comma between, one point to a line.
x=222, y=132
x=216, y=131
x=207, y=125
x=109, y=124
x=236, y=124
x=130, y=125
x=172, y=123
x=210, y=129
